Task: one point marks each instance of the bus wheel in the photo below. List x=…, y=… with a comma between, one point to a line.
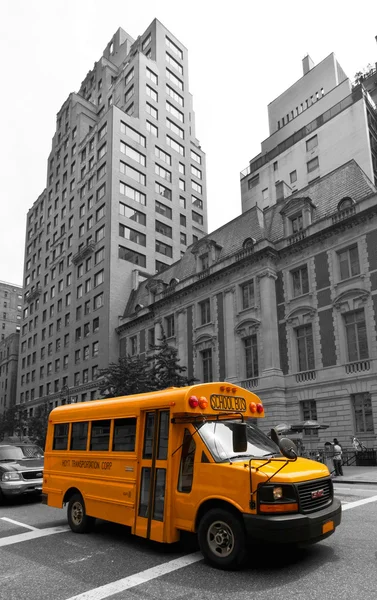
x=222, y=539
x=78, y=520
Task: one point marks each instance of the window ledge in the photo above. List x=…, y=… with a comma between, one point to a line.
x=350, y=279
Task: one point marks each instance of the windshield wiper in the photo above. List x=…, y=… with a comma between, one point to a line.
x=271, y=454
x=245, y=456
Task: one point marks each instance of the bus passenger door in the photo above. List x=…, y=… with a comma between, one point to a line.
x=150, y=515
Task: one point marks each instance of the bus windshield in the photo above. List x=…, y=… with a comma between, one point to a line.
x=217, y=435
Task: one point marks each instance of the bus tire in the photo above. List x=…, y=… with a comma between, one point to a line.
x=78, y=520
x=222, y=539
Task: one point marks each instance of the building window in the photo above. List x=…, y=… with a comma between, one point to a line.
x=132, y=153
x=152, y=93
x=356, y=333
x=133, y=235
x=312, y=165
x=133, y=345
x=297, y=223
x=133, y=194
x=305, y=348
x=349, y=265
x=309, y=413
x=206, y=356
x=132, y=256
x=293, y=176
x=164, y=229
x=170, y=326
x=205, y=311
x=253, y=182
x=132, y=214
x=151, y=110
x=312, y=143
x=251, y=356
x=275, y=165
x=300, y=281
x=152, y=128
x=152, y=76
x=133, y=134
x=362, y=406
x=133, y=173
x=247, y=290
x=164, y=249
x=163, y=210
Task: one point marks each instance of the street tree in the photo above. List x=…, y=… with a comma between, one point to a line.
x=165, y=370
x=37, y=425
x=135, y=375
x=130, y=375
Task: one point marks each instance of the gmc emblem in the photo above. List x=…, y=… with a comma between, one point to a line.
x=317, y=494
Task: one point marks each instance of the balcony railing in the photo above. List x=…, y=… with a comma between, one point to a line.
x=358, y=366
x=83, y=253
x=296, y=237
x=33, y=294
x=306, y=376
x=343, y=214
x=250, y=384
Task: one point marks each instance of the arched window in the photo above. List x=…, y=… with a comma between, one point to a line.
x=344, y=203
x=248, y=244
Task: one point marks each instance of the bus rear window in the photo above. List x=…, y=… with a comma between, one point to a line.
x=60, y=436
x=124, y=435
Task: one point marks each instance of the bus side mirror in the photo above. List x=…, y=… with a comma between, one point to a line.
x=288, y=448
x=239, y=437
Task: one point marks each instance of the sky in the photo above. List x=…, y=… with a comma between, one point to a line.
x=242, y=55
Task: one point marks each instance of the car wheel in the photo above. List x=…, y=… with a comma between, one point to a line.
x=78, y=520
x=222, y=539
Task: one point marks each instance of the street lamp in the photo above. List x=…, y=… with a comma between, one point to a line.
x=66, y=398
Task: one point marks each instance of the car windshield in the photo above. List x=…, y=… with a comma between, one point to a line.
x=20, y=452
x=218, y=436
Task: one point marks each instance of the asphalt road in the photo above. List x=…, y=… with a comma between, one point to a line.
x=40, y=559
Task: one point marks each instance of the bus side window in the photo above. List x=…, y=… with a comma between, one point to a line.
x=186, y=469
x=60, y=437
x=79, y=436
x=124, y=435
x=100, y=436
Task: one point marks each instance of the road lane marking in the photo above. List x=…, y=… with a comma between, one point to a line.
x=32, y=535
x=20, y=524
x=359, y=502
x=104, y=591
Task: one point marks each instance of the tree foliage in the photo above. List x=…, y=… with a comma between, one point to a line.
x=12, y=424
x=134, y=375
x=37, y=425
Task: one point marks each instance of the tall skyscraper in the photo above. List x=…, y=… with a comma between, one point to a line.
x=318, y=124
x=126, y=192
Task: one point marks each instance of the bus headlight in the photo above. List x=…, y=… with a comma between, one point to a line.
x=277, y=499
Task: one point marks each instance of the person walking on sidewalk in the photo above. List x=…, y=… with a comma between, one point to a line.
x=337, y=458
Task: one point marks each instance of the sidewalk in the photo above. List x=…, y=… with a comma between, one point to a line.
x=365, y=475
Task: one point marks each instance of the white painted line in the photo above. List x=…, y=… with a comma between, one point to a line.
x=20, y=524
x=31, y=535
x=104, y=591
x=359, y=502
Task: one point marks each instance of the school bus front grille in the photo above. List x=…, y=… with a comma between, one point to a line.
x=314, y=495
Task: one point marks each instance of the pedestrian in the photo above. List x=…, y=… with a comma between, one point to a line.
x=337, y=458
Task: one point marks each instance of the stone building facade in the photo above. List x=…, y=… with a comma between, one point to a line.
x=281, y=301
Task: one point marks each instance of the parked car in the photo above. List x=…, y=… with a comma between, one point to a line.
x=21, y=470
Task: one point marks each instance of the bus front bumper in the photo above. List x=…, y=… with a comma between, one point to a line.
x=294, y=528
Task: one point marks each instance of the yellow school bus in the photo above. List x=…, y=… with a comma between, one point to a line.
x=186, y=459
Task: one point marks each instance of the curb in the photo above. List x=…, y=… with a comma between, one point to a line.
x=352, y=481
